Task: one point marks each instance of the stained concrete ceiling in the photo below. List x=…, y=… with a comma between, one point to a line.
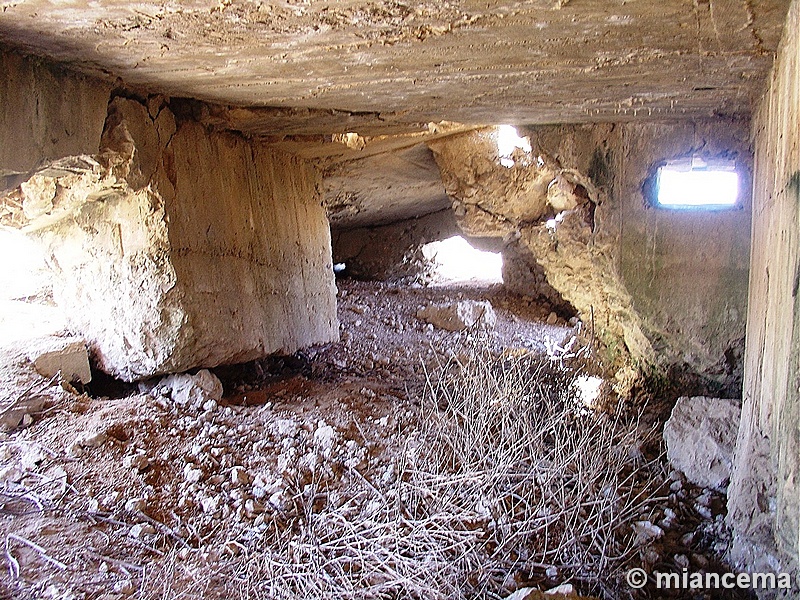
x=394, y=66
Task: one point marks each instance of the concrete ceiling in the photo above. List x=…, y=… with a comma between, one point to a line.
x=397, y=65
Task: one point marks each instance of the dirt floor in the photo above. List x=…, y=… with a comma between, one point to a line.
x=404, y=461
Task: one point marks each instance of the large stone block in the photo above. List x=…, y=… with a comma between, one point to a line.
x=458, y=316
x=176, y=248
x=67, y=356
x=701, y=436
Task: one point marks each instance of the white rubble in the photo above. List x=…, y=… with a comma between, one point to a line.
x=136, y=505
x=701, y=436
x=194, y=390
x=646, y=532
x=141, y=529
x=138, y=461
x=239, y=476
x=191, y=474
x=458, y=316
x=93, y=439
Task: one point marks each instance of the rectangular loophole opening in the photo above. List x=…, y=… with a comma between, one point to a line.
x=697, y=184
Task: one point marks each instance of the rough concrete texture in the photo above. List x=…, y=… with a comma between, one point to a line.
x=687, y=270
x=251, y=248
x=524, y=276
x=384, y=188
x=391, y=252
x=764, y=500
x=67, y=356
x=543, y=61
x=700, y=436
x=193, y=391
x=578, y=251
x=575, y=210
x=177, y=248
x=459, y=316
x=46, y=113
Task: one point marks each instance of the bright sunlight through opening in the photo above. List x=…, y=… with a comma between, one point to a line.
x=455, y=261
x=25, y=285
x=508, y=140
x=696, y=185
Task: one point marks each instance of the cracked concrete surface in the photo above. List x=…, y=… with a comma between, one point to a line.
x=405, y=64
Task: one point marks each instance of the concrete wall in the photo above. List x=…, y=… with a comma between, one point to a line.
x=660, y=287
x=391, y=252
x=687, y=270
x=174, y=247
x=250, y=244
x=46, y=112
x=764, y=499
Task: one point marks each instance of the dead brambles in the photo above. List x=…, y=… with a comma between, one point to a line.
x=505, y=480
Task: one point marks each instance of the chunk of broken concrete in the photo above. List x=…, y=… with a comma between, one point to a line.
x=458, y=316
x=646, y=532
x=701, y=437
x=17, y=412
x=68, y=355
x=194, y=390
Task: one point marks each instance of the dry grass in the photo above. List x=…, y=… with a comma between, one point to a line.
x=507, y=478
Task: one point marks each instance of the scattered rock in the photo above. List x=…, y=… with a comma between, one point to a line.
x=194, y=390
x=209, y=504
x=552, y=318
x=17, y=413
x=521, y=594
x=646, y=532
x=94, y=440
x=253, y=507
x=11, y=474
x=701, y=436
x=681, y=561
x=68, y=355
x=324, y=437
x=239, y=476
x=565, y=589
x=669, y=519
x=138, y=461
x=458, y=316
x=192, y=474
x=141, y=529
x=75, y=449
x=232, y=548
x=703, y=511
x=136, y=505
x=125, y=587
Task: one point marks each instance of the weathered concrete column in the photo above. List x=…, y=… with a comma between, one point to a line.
x=177, y=248
x=764, y=495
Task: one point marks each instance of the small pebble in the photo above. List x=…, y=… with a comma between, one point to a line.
x=138, y=461
x=141, y=529
x=135, y=505
x=681, y=561
x=125, y=587
x=239, y=476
